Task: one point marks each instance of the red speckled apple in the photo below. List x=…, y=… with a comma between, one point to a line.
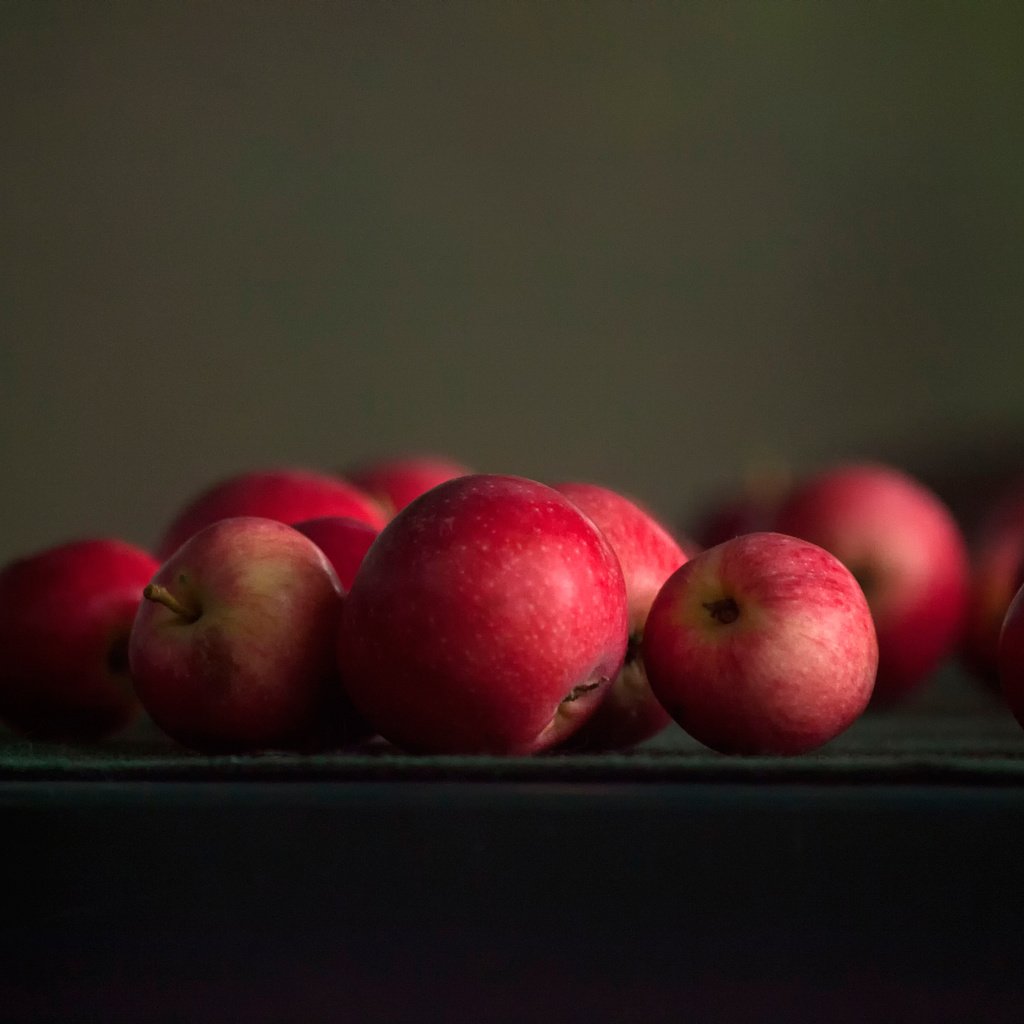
x=907, y=552
x=395, y=482
x=65, y=616
x=648, y=554
x=234, y=647
x=762, y=645
x=488, y=617
x=343, y=540
x=287, y=495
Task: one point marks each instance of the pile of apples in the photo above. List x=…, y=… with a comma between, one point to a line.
x=448, y=611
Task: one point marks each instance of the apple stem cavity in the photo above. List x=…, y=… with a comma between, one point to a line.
x=725, y=610
x=160, y=594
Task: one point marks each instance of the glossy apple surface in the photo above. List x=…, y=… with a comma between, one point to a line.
x=907, y=552
x=287, y=495
x=234, y=647
x=762, y=645
x=343, y=540
x=397, y=481
x=648, y=555
x=489, y=616
x=65, y=616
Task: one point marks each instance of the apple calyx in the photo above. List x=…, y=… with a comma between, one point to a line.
x=725, y=610
x=578, y=691
x=161, y=595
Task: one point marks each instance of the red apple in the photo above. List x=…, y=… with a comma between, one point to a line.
x=997, y=571
x=233, y=648
x=65, y=616
x=648, y=555
x=343, y=540
x=287, y=495
x=489, y=616
x=1010, y=656
x=751, y=508
x=907, y=552
x=395, y=482
x=762, y=645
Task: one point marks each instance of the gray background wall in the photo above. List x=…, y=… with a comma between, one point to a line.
x=642, y=243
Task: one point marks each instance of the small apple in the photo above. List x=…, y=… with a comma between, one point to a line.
x=489, y=616
x=997, y=571
x=287, y=495
x=907, y=552
x=233, y=648
x=762, y=645
x=343, y=540
x=648, y=555
x=395, y=482
x=65, y=616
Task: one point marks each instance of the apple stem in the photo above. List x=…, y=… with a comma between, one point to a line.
x=160, y=594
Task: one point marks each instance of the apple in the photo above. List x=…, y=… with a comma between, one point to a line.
x=997, y=571
x=233, y=647
x=489, y=616
x=343, y=540
x=750, y=508
x=1010, y=656
x=287, y=495
x=648, y=555
x=65, y=616
x=907, y=552
x=762, y=645
x=395, y=482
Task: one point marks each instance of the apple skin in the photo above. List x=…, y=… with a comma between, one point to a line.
x=65, y=616
x=1010, y=656
x=762, y=645
x=489, y=616
x=997, y=572
x=750, y=508
x=397, y=481
x=343, y=540
x=907, y=551
x=648, y=555
x=287, y=495
x=252, y=666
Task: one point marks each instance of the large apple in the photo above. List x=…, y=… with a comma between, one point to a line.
x=343, y=540
x=997, y=571
x=287, y=495
x=65, y=616
x=233, y=648
x=762, y=645
x=489, y=616
x=648, y=555
x=907, y=552
x=394, y=482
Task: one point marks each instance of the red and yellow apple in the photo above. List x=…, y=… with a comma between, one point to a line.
x=762, y=645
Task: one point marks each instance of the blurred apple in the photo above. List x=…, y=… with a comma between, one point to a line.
x=287, y=495
x=397, y=481
x=648, y=555
x=906, y=551
x=65, y=616
x=343, y=540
